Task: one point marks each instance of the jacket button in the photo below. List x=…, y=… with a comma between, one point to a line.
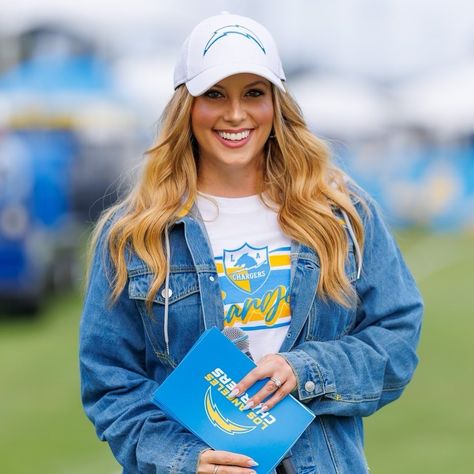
x=164, y=295
x=211, y=278
x=309, y=386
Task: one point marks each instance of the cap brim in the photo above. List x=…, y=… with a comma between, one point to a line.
x=208, y=78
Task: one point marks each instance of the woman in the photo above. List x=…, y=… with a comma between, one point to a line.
x=240, y=219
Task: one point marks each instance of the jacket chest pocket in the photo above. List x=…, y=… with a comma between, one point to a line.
x=185, y=322
x=329, y=320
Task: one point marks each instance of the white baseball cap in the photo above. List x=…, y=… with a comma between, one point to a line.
x=223, y=45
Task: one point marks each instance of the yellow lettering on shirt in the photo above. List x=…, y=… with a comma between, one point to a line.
x=273, y=305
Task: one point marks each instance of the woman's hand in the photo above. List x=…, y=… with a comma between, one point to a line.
x=225, y=462
x=282, y=382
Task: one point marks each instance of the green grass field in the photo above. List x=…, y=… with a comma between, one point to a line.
x=429, y=430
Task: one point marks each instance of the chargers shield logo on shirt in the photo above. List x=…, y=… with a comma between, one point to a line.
x=247, y=267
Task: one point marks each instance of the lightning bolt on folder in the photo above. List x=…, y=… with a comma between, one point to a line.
x=196, y=394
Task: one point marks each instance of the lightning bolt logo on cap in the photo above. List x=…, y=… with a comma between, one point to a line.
x=233, y=30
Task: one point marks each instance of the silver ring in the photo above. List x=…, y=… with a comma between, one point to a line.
x=276, y=381
x=216, y=468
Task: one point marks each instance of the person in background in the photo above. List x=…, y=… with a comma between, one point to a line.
x=240, y=218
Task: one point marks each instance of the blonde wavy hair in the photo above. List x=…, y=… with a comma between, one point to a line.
x=299, y=179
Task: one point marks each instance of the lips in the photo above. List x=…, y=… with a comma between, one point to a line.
x=234, y=138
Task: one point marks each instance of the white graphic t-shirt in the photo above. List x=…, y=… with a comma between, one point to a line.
x=252, y=257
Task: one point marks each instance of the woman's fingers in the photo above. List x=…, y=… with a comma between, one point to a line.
x=255, y=374
x=228, y=458
x=270, y=365
x=268, y=396
x=227, y=462
x=282, y=382
x=277, y=395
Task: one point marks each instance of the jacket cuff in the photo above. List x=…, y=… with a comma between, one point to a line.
x=187, y=457
x=312, y=380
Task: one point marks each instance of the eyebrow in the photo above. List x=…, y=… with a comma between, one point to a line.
x=256, y=83
x=252, y=84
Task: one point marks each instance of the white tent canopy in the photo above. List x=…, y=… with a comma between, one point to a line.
x=21, y=14
x=340, y=107
x=442, y=102
x=145, y=82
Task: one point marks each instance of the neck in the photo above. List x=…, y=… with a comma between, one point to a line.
x=219, y=181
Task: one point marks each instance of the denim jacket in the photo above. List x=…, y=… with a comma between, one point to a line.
x=349, y=362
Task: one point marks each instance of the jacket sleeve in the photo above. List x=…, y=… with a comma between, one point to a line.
x=371, y=365
x=117, y=389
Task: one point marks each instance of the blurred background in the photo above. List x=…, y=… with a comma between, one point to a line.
x=389, y=84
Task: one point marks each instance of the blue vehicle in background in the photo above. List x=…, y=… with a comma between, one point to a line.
x=66, y=135
x=38, y=232
x=57, y=160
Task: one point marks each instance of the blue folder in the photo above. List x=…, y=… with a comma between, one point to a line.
x=196, y=394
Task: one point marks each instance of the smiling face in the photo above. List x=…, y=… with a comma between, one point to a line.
x=231, y=123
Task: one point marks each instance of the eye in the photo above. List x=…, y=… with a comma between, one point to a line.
x=255, y=92
x=212, y=94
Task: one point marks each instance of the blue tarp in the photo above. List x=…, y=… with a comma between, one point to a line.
x=47, y=75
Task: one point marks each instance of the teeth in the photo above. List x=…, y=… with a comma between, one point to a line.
x=234, y=136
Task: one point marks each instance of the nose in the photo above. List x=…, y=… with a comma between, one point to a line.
x=235, y=112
